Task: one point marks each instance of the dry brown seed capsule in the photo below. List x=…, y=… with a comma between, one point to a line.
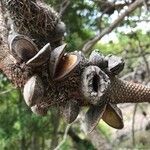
x=98, y=59
x=33, y=90
x=93, y=116
x=39, y=110
x=22, y=47
x=113, y=116
x=55, y=58
x=115, y=64
x=94, y=84
x=70, y=110
x=67, y=65
x=41, y=57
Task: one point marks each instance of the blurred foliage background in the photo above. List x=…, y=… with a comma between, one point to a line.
x=21, y=129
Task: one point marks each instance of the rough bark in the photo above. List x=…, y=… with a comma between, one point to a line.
x=5, y=57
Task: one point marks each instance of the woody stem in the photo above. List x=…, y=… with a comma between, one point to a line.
x=127, y=92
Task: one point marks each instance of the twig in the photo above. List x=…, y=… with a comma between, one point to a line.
x=64, y=137
x=63, y=7
x=146, y=4
x=7, y=91
x=133, y=122
x=144, y=57
x=88, y=45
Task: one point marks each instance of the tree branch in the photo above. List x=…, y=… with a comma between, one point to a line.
x=5, y=57
x=64, y=6
x=88, y=45
x=64, y=137
x=133, y=123
x=7, y=91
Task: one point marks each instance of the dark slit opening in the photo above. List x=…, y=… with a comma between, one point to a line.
x=95, y=83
